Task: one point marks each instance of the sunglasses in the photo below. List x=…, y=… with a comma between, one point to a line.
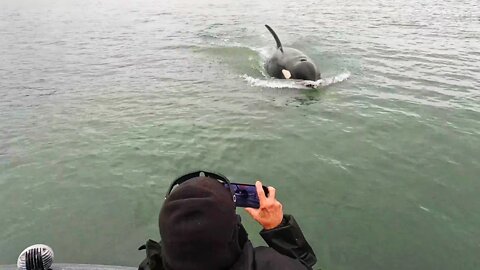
x=220, y=178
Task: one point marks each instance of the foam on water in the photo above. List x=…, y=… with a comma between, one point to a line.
x=298, y=84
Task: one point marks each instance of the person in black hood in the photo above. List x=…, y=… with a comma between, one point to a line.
x=200, y=230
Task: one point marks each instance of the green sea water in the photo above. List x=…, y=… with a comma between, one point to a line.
x=104, y=103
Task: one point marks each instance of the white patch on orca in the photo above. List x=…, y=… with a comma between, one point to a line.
x=286, y=74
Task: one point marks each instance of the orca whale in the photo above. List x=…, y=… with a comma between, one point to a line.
x=290, y=63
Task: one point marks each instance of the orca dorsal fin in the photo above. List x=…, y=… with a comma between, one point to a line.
x=279, y=44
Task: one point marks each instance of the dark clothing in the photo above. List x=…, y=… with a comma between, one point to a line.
x=287, y=250
x=199, y=227
x=288, y=239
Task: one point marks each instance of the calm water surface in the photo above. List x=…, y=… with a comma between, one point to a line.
x=103, y=103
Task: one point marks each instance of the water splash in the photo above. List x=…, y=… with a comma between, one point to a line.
x=264, y=52
x=298, y=84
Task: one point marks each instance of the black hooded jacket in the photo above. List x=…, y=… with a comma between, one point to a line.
x=287, y=250
x=201, y=231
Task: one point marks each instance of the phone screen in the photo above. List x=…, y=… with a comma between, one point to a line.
x=246, y=195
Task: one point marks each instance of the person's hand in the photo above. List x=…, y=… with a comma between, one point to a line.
x=270, y=213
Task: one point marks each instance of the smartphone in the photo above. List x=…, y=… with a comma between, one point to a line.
x=246, y=195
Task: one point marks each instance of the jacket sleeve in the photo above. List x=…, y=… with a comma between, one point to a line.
x=288, y=240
